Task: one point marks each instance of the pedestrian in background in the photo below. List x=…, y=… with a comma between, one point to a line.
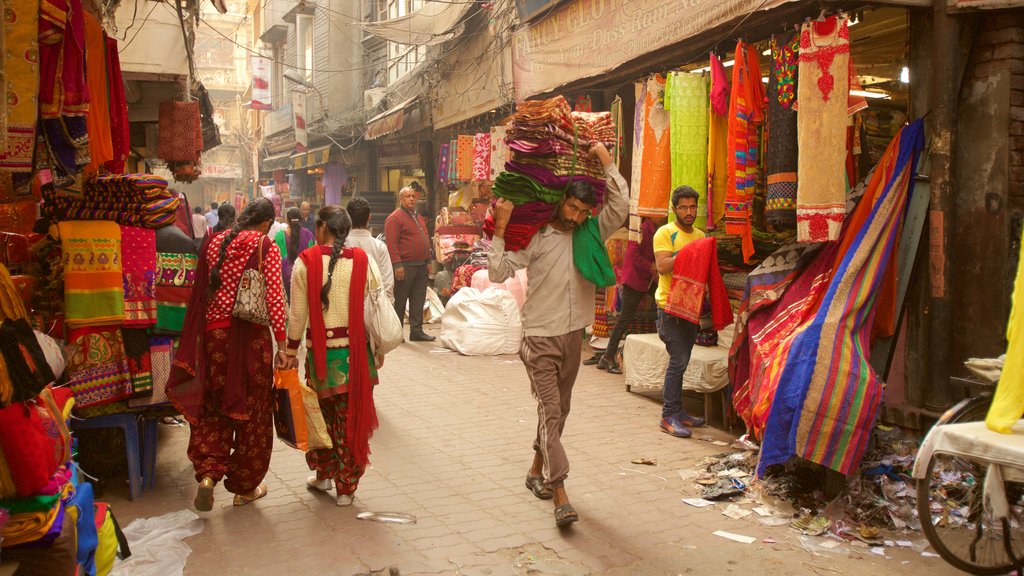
x=225, y=217
x=292, y=241
x=329, y=284
x=199, y=226
x=223, y=372
x=559, y=306
x=405, y=232
x=307, y=217
x=359, y=211
x=211, y=217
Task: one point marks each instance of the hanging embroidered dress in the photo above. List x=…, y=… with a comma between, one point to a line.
x=781, y=144
x=21, y=86
x=746, y=114
x=823, y=94
x=829, y=395
x=686, y=98
x=652, y=153
x=718, y=143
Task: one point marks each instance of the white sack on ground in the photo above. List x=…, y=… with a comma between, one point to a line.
x=484, y=323
x=157, y=544
x=516, y=285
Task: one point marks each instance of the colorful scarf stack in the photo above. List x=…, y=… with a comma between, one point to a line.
x=827, y=394
x=93, y=289
x=527, y=219
x=696, y=277
x=138, y=268
x=746, y=114
x=133, y=200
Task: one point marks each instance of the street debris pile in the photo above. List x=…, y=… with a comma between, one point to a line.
x=877, y=510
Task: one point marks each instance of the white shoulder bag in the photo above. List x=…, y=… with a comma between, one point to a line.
x=383, y=328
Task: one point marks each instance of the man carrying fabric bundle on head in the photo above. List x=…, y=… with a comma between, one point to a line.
x=564, y=262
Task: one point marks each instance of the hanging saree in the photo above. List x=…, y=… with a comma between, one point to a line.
x=119, y=125
x=467, y=145
x=823, y=95
x=482, y=156
x=138, y=269
x=652, y=153
x=828, y=394
x=746, y=114
x=781, y=145
x=442, y=163
x=1008, y=403
x=21, y=74
x=718, y=144
x=499, y=151
x=686, y=99
x=101, y=147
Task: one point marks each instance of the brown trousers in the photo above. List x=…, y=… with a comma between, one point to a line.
x=552, y=363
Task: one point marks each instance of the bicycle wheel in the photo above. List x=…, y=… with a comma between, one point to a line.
x=954, y=519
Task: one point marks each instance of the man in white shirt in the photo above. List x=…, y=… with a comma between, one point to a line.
x=359, y=237
x=199, y=225
x=211, y=216
x=559, y=306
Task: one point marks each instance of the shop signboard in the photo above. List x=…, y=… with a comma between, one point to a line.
x=280, y=120
x=261, y=98
x=221, y=171
x=585, y=38
x=529, y=9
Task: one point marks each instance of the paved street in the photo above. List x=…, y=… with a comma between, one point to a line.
x=453, y=449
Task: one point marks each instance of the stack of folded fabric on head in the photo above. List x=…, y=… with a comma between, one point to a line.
x=549, y=144
x=141, y=200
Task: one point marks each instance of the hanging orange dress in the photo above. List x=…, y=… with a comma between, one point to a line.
x=101, y=146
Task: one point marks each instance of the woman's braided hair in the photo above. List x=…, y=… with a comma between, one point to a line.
x=294, y=224
x=256, y=213
x=339, y=224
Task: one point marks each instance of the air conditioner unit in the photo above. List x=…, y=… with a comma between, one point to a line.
x=372, y=98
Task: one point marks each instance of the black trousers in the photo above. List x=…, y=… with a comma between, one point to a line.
x=413, y=289
x=630, y=302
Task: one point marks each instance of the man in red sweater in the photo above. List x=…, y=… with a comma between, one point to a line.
x=405, y=232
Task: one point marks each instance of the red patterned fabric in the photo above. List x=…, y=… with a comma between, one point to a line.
x=26, y=448
x=119, y=127
x=138, y=269
x=220, y=446
x=181, y=137
x=694, y=276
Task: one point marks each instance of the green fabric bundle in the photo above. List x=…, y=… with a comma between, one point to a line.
x=520, y=189
x=590, y=255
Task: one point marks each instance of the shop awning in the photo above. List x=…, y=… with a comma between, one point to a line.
x=276, y=162
x=434, y=23
x=388, y=122
x=311, y=158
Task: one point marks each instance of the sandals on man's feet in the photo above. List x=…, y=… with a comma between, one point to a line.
x=243, y=499
x=536, y=485
x=565, y=515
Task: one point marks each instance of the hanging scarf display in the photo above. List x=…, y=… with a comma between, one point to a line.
x=746, y=114
x=823, y=95
x=482, y=156
x=686, y=98
x=138, y=269
x=718, y=144
x=21, y=74
x=119, y=125
x=499, y=151
x=453, y=161
x=652, y=152
x=442, y=163
x=467, y=146
x=93, y=289
x=828, y=395
x=781, y=146
x=101, y=146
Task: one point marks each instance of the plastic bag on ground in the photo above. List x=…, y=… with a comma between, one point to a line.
x=157, y=544
x=484, y=323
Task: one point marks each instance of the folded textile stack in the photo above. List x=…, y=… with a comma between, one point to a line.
x=549, y=145
x=131, y=200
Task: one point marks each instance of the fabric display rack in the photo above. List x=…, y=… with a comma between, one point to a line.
x=95, y=269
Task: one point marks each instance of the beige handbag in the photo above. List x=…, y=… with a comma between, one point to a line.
x=251, y=297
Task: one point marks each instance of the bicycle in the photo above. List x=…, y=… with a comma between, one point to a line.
x=970, y=488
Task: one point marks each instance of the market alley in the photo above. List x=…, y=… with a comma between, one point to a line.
x=452, y=450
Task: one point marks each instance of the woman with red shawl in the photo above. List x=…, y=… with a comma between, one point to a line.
x=222, y=377
x=329, y=283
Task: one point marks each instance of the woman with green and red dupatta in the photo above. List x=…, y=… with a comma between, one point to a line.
x=329, y=283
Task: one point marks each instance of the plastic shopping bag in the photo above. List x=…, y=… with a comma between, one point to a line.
x=289, y=413
x=316, y=427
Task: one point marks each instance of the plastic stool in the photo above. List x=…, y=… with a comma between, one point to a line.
x=129, y=425
x=149, y=436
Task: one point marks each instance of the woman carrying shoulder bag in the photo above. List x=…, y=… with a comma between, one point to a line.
x=329, y=285
x=223, y=371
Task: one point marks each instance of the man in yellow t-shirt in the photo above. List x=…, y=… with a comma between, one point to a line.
x=677, y=334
